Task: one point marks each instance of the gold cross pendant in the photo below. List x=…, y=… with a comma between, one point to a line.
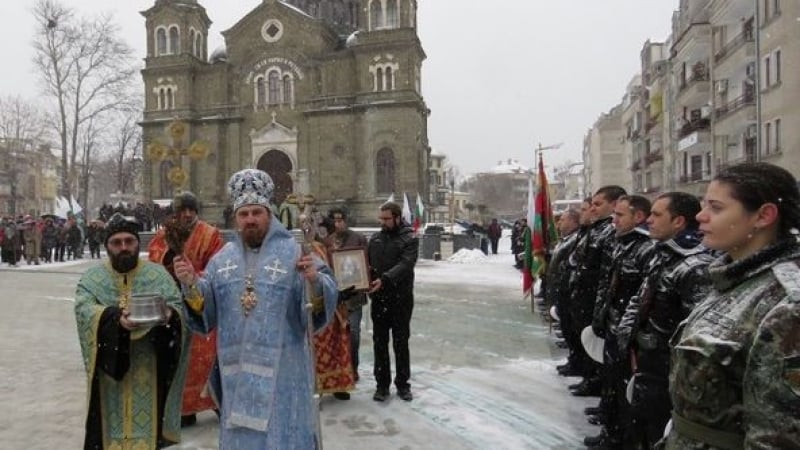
x=248, y=299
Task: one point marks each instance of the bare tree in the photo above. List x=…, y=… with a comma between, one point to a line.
x=126, y=141
x=83, y=65
x=21, y=129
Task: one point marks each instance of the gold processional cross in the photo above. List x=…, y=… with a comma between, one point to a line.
x=175, y=151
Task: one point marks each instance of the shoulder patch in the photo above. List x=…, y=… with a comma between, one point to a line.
x=788, y=275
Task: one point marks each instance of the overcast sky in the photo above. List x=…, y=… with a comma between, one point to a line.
x=501, y=76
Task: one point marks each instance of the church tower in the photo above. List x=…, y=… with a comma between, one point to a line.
x=177, y=47
x=341, y=15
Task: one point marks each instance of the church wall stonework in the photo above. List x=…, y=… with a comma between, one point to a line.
x=331, y=127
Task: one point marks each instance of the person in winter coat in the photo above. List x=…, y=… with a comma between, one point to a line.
x=494, y=232
x=392, y=256
x=735, y=368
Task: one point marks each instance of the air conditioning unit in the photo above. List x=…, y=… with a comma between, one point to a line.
x=705, y=111
x=751, y=131
x=722, y=86
x=750, y=70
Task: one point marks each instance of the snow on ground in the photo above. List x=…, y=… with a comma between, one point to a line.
x=482, y=369
x=467, y=256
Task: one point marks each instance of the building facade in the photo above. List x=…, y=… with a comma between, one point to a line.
x=28, y=178
x=691, y=60
x=324, y=95
x=604, y=160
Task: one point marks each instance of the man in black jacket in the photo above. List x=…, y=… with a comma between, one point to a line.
x=676, y=279
x=392, y=255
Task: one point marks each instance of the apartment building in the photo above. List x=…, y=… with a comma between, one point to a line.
x=655, y=99
x=632, y=127
x=780, y=82
x=604, y=156
x=691, y=112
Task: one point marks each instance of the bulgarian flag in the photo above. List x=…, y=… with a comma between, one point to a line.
x=527, y=274
x=541, y=234
x=418, y=214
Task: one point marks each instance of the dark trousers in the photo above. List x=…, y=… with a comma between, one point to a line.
x=397, y=319
x=355, y=335
x=494, y=242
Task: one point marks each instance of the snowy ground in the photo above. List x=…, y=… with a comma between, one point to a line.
x=483, y=369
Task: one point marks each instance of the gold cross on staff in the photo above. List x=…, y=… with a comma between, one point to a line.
x=174, y=152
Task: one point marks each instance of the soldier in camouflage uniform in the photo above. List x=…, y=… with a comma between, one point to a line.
x=735, y=375
x=631, y=257
x=676, y=280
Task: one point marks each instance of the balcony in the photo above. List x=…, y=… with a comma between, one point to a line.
x=692, y=126
x=750, y=157
x=748, y=99
x=651, y=123
x=695, y=176
x=745, y=37
x=653, y=157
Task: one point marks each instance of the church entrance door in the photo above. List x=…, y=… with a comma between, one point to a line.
x=279, y=168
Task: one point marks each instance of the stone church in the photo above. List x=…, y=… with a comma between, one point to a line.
x=324, y=95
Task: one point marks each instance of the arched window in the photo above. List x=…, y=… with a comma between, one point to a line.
x=288, y=89
x=170, y=99
x=261, y=91
x=198, y=45
x=376, y=14
x=389, y=80
x=379, y=79
x=174, y=40
x=162, y=99
x=161, y=42
x=274, y=87
x=192, y=42
x=392, y=15
x=385, y=171
x=412, y=15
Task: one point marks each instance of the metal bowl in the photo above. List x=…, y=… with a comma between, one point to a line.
x=147, y=309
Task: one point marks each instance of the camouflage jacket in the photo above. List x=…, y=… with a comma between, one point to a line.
x=736, y=359
x=632, y=254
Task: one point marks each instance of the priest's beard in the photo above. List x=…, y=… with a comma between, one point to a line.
x=253, y=236
x=124, y=261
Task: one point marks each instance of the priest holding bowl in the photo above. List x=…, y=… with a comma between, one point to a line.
x=133, y=338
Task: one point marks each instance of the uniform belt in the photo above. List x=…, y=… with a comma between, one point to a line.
x=709, y=436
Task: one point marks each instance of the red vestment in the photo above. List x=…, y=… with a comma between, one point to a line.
x=334, y=366
x=202, y=244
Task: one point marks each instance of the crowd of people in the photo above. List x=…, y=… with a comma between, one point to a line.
x=683, y=316
x=251, y=329
x=46, y=239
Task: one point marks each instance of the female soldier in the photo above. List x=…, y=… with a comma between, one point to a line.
x=735, y=373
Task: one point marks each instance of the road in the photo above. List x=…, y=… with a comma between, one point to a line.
x=483, y=370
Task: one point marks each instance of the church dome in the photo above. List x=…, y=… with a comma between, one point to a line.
x=220, y=54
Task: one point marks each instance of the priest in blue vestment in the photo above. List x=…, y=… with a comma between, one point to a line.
x=255, y=292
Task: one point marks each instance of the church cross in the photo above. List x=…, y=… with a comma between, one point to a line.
x=229, y=267
x=275, y=269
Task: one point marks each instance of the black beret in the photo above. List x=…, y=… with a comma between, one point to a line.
x=121, y=224
x=185, y=200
